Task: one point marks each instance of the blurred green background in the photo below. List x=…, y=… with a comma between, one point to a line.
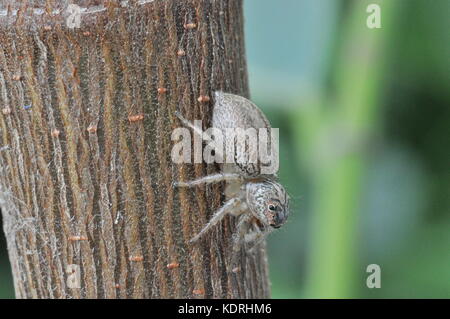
x=364, y=118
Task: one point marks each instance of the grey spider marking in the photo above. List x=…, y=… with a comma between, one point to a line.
x=260, y=203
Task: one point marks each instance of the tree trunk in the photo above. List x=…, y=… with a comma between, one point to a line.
x=85, y=159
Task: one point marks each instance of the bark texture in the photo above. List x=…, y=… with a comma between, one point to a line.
x=85, y=160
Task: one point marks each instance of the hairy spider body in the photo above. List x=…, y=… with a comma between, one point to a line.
x=259, y=201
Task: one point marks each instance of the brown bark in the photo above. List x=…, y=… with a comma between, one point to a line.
x=86, y=173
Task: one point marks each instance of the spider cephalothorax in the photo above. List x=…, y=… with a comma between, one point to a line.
x=268, y=201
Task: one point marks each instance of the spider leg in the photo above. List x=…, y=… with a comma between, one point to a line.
x=238, y=236
x=254, y=234
x=256, y=237
x=218, y=216
x=215, y=178
x=197, y=130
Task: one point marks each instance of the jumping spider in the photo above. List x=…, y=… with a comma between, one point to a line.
x=258, y=200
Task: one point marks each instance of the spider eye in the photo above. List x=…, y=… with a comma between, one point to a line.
x=271, y=207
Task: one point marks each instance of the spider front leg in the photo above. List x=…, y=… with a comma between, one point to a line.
x=238, y=238
x=256, y=237
x=197, y=130
x=215, y=178
x=229, y=207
